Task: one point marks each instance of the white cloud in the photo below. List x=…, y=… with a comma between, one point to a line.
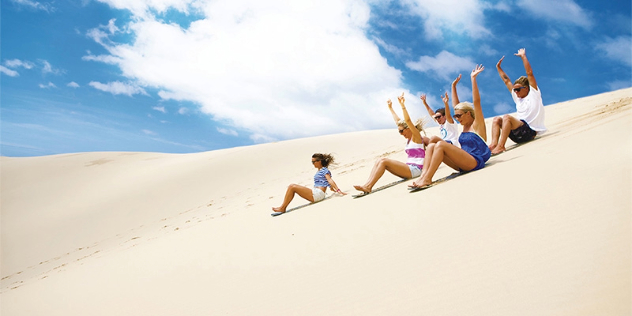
x=148, y=132
x=48, y=68
x=108, y=59
x=8, y=72
x=227, y=131
x=275, y=69
x=73, y=84
x=501, y=6
x=565, y=11
x=160, y=109
x=488, y=50
x=15, y=63
x=457, y=16
x=183, y=111
x=143, y=8
x=34, y=5
x=390, y=48
x=619, y=84
x=118, y=87
x=445, y=65
x=111, y=27
x=618, y=49
x=47, y=86
x=503, y=108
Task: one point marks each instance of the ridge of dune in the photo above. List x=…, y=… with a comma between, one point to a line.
x=156, y=234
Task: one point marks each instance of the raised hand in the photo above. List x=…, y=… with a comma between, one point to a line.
x=389, y=103
x=401, y=99
x=456, y=80
x=500, y=61
x=423, y=97
x=477, y=70
x=445, y=98
x=521, y=53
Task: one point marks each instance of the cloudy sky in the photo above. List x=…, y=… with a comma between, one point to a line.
x=184, y=76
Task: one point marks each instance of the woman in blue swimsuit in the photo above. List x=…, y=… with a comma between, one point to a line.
x=474, y=152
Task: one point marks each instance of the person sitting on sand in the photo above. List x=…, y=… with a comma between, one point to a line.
x=530, y=110
x=415, y=149
x=322, y=181
x=447, y=127
x=474, y=151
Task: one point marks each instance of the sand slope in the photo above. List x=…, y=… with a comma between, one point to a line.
x=544, y=229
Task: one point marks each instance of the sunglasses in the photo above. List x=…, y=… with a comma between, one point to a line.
x=436, y=117
x=518, y=89
x=458, y=116
x=401, y=131
x=314, y=161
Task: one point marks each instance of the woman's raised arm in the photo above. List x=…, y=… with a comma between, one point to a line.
x=416, y=135
x=390, y=107
x=455, y=96
x=479, y=120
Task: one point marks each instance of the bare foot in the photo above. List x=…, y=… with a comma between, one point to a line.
x=278, y=209
x=362, y=188
x=499, y=149
x=420, y=183
x=492, y=146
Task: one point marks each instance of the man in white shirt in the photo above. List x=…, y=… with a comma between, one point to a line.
x=529, y=106
x=447, y=127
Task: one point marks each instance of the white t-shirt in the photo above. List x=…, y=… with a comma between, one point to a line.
x=450, y=132
x=531, y=109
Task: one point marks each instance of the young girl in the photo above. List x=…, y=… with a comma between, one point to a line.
x=322, y=181
x=415, y=148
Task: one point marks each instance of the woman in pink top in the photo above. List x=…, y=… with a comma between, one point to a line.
x=415, y=148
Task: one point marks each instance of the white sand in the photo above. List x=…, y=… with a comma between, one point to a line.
x=544, y=229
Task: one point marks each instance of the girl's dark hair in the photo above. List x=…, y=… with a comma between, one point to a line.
x=325, y=159
x=442, y=111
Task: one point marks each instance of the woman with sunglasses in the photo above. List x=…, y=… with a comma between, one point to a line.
x=415, y=149
x=449, y=130
x=474, y=151
x=322, y=181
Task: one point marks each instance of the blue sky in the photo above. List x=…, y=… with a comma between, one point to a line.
x=182, y=76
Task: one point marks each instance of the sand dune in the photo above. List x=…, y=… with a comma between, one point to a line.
x=544, y=229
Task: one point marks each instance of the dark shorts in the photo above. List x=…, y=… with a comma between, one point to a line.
x=522, y=134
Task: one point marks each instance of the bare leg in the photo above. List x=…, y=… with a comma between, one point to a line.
x=496, y=125
x=509, y=123
x=435, y=139
x=427, y=159
x=302, y=191
x=444, y=151
x=395, y=167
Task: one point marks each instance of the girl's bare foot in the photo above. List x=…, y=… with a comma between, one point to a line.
x=498, y=150
x=362, y=188
x=420, y=183
x=278, y=209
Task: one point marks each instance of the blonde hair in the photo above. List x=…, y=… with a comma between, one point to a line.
x=419, y=125
x=523, y=81
x=466, y=107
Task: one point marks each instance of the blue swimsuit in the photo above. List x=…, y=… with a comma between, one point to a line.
x=476, y=147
